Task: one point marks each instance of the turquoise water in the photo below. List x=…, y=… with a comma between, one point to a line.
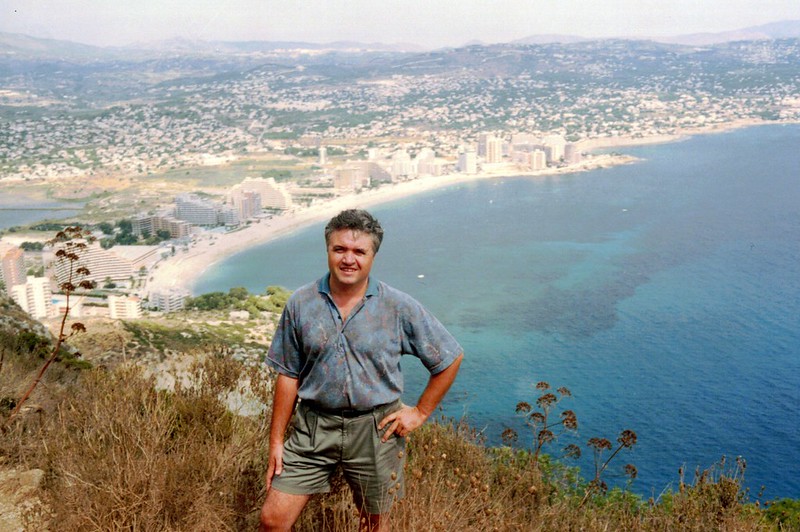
x=665, y=295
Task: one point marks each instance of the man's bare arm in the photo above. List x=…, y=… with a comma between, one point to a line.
x=282, y=407
x=410, y=418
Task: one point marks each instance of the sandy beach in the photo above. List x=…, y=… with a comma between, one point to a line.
x=185, y=267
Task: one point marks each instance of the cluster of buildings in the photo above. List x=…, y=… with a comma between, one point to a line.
x=244, y=201
x=122, y=266
x=120, y=269
x=525, y=152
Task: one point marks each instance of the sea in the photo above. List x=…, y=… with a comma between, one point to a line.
x=664, y=294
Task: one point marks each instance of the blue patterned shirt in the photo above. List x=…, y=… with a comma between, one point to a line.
x=355, y=363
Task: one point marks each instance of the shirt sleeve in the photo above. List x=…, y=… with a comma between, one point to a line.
x=284, y=351
x=427, y=339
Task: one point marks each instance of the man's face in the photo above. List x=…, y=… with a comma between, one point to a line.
x=350, y=256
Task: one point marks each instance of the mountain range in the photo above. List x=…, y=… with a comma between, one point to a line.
x=18, y=46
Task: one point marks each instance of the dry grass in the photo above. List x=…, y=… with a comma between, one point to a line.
x=121, y=455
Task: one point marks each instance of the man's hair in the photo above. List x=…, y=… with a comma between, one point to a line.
x=356, y=220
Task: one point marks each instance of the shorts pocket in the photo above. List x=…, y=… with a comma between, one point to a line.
x=304, y=425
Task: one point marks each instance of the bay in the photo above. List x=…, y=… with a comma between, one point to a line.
x=664, y=294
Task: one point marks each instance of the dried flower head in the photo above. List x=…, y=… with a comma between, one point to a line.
x=572, y=451
x=509, y=436
x=542, y=385
x=545, y=436
x=564, y=391
x=631, y=471
x=599, y=443
x=546, y=400
x=627, y=438
x=538, y=417
x=524, y=407
x=569, y=420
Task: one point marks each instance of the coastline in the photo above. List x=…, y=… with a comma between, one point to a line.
x=183, y=269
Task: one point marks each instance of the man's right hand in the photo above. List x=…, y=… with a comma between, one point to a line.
x=275, y=466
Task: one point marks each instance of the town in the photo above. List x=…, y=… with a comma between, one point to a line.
x=339, y=124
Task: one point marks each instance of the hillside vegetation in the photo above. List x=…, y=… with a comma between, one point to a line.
x=121, y=452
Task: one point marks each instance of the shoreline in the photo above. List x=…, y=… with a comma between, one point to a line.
x=182, y=270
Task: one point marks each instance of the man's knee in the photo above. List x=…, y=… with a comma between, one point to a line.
x=281, y=510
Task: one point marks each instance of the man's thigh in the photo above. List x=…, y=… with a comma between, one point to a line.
x=374, y=469
x=310, y=455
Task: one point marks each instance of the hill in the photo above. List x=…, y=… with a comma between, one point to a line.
x=186, y=457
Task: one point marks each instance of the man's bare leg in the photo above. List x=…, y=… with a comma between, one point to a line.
x=281, y=510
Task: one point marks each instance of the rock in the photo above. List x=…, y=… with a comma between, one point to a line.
x=31, y=479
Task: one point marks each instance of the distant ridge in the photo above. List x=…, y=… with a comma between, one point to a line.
x=19, y=46
x=550, y=39
x=786, y=29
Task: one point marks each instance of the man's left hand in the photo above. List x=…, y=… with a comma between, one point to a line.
x=402, y=421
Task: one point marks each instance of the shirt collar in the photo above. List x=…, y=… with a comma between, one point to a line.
x=324, y=286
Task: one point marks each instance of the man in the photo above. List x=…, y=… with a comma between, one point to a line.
x=337, y=348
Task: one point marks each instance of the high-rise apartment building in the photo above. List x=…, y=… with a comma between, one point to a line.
x=273, y=195
x=13, y=267
x=169, y=300
x=34, y=296
x=124, y=307
x=119, y=263
x=494, y=150
x=554, y=148
x=195, y=210
x=467, y=162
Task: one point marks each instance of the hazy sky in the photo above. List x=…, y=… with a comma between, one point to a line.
x=424, y=22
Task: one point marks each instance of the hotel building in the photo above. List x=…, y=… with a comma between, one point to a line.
x=13, y=266
x=124, y=307
x=273, y=195
x=119, y=263
x=34, y=296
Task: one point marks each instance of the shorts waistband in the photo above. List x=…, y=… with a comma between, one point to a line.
x=345, y=412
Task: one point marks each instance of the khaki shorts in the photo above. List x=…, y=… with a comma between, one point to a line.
x=320, y=442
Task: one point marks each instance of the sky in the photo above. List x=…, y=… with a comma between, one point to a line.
x=428, y=23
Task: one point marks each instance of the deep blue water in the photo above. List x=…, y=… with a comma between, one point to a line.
x=664, y=294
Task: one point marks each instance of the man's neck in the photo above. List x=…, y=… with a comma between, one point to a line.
x=348, y=291
x=346, y=297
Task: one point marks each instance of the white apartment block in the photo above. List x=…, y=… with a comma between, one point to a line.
x=273, y=195
x=169, y=300
x=119, y=263
x=494, y=150
x=124, y=307
x=246, y=202
x=34, y=297
x=572, y=154
x=529, y=158
x=145, y=224
x=402, y=167
x=554, y=146
x=13, y=266
x=197, y=211
x=467, y=162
